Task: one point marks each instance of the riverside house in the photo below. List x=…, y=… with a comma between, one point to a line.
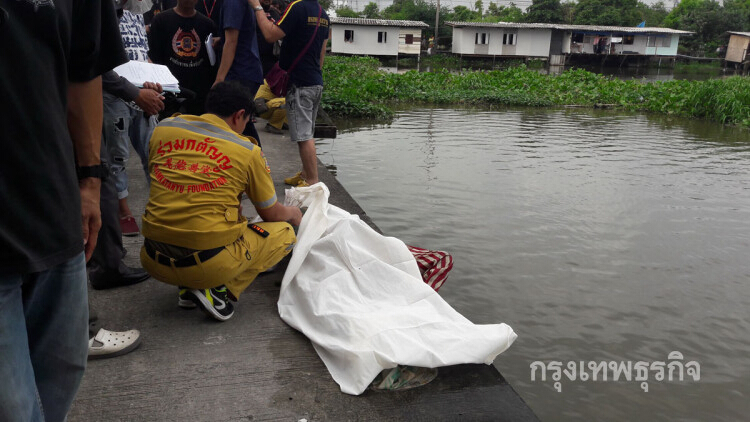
x=557, y=42
x=737, y=47
x=376, y=37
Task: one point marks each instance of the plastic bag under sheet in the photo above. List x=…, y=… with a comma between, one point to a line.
x=359, y=297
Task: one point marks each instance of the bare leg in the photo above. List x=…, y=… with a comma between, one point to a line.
x=309, y=161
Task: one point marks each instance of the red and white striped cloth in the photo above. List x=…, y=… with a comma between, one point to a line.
x=434, y=265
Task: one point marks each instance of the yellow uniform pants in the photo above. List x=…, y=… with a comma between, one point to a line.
x=235, y=267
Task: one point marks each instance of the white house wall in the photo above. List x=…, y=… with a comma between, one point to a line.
x=532, y=42
x=415, y=47
x=365, y=40
x=529, y=42
x=665, y=51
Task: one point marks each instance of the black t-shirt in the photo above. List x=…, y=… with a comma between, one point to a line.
x=180, y=44
x=211, y=9
x=158, y=7
x=46, y=43
x=298, y=23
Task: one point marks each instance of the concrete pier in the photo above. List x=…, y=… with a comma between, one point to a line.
x=253, y=367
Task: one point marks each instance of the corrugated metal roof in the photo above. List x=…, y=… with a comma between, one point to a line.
x=590, y=28
x=744, y=34
x=380, y=22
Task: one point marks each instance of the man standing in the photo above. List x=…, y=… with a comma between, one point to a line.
x=196, y=236
x=51, y=122
x=177, y=40
x=240, y=59
x=303, y=20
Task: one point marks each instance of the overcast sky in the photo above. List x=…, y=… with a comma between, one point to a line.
x=358, y=5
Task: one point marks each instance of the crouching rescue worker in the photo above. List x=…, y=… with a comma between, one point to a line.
x=196, y=236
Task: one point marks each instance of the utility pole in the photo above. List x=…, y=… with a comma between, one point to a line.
x=437, y=23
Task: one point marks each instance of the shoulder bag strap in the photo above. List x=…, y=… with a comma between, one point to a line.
x=309, y=43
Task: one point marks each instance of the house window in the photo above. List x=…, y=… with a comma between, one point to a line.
x=348, y=35
x=409, y=39
x=481, y=38
x=628, y=39
x=509, y=39
x=659, y=41
x=382, y=36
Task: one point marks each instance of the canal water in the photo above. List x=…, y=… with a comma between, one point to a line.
x=598, y=236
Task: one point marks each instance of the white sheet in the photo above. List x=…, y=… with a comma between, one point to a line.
x=358, y=296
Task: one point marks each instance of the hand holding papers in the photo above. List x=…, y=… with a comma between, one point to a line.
x=139, y=73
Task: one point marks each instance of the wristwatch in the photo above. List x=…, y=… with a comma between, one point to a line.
x=258, y=8
x=98, y=171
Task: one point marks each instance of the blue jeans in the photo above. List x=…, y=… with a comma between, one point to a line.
x=43, y=341
x=302, y=105
x=124, y=125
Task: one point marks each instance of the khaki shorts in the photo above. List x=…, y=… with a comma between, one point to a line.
x=235, y=267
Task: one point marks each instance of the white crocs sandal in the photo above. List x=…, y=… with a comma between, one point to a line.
x=108, y=344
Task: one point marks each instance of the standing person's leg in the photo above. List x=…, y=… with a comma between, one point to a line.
x=143, y=127
x=302, y=109
x=250, y=128
x=43, y=341
x=118, y=123
x=18, y=395
x=107, y=268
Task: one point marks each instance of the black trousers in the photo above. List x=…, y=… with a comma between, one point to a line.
x=109, y=250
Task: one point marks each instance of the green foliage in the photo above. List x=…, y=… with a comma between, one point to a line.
x=371, y=11
x=544, y=11
x=464, y=14
x=326, y=4
x=607, y=12
x=346, y=12
x=509, y=13
x=356, y=88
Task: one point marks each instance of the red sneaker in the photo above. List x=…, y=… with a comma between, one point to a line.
x=129, y=226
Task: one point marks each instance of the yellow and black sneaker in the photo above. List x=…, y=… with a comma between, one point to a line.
x=213, y=302
x=185, y=299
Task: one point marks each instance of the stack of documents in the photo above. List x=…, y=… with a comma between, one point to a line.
x=139, y=73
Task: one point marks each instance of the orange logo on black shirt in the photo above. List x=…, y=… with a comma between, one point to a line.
x=186, y=44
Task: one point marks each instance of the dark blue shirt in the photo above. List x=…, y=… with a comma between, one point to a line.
x=237, y=14
x=298, y=23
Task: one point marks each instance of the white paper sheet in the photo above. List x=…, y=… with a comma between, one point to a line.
x=210, y=49
x=139, y=73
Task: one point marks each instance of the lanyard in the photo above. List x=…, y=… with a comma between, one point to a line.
x=208, y=12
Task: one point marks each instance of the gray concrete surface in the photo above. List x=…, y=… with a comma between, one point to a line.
x=253, y=367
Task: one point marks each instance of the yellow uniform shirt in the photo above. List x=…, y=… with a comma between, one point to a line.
x=199, y=167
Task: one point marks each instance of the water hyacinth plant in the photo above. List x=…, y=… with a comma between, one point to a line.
x=356, y=88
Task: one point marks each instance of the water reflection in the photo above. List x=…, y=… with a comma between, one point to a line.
x=595, y=235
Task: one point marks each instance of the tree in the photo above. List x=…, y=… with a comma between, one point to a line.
x=462, y=14
x=326, y=4
x=346, y=12
x=544, y=11
x=568, y=12
x=371, y=11
x=704, y=17
x=510, y=13
x=478, y=6
x=607, y=12
x=653, y=15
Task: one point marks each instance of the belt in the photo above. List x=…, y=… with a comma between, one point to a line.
x=186, y=261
